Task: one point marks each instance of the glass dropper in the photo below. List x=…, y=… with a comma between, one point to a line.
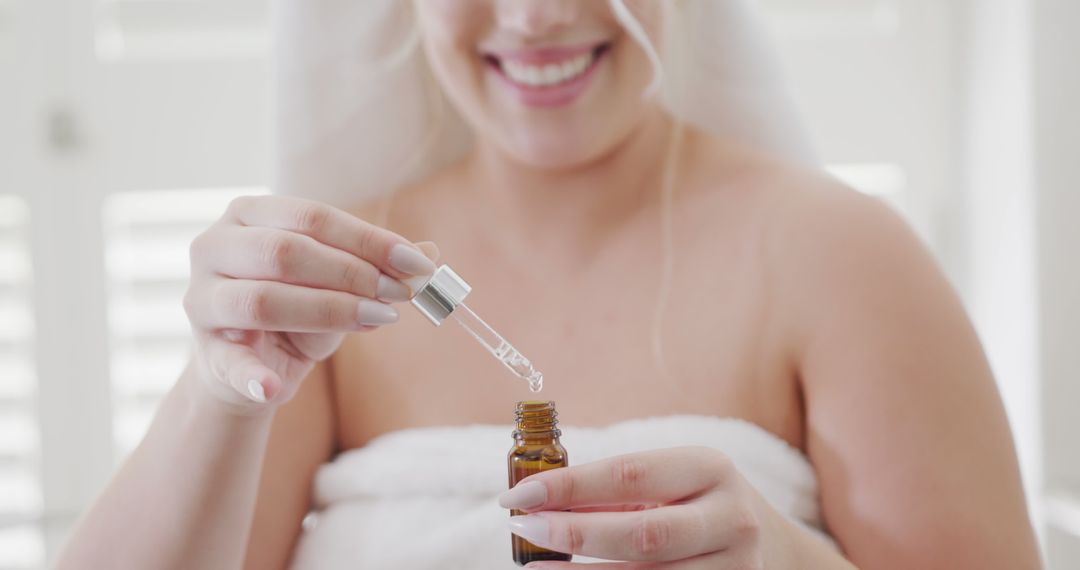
x=497, y=345
x=443, y=295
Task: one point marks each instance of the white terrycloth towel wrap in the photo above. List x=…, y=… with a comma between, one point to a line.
x=426, y=498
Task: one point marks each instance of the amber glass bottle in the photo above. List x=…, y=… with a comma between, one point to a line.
x=536, y=448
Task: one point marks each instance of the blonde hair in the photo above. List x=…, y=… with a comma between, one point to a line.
x=667, y=185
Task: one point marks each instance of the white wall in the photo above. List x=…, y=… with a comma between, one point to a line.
x=1056, y=102
x=1022, y=134
x=1000, y=289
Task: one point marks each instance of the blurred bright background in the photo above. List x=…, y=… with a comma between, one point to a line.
x=127, y=125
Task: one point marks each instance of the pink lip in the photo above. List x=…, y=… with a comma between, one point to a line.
x=541, y=56
x=554, y=95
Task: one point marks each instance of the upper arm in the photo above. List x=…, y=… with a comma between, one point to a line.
x=904, y=423
x=301, y=439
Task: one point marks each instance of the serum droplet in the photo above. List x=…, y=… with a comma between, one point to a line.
x=536, y=381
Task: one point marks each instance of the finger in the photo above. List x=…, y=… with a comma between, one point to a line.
x=317, y=346
x=273, y=306
x=259, y=253
x=666, y=533
x=650, y=477
x=706, y=562
x=391, y=253
x=239, y=370
x=429, y=249
x=613, y=508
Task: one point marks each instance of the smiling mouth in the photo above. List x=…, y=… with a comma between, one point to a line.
x=547, y=74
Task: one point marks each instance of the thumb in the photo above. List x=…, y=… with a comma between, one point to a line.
x=237, y=373
x=317, y=346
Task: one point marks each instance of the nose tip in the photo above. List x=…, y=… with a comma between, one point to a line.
x=536, y=18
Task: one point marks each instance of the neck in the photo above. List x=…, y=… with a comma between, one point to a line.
x=587, y=204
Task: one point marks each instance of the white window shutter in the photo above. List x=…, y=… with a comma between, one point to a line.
x=21, y=541
x=147, y=234
x=875, y=83
x=181, y=29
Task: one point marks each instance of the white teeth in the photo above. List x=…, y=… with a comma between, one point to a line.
x=550, y=74
x=534, y=75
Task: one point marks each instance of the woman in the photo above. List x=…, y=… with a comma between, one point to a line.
x=819, y=399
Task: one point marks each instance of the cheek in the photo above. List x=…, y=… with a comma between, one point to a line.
x=451, y=32
x=648, y=13
x=651, y=16
x=632, y=71
x=453, y=16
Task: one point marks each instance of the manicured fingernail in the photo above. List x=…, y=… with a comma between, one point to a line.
x=524, y=496
x=408, y=259
x=374, y=313
x=533, y=528
x=255, y=391
x=415, y=284
x=390, y=289
x=430, y=250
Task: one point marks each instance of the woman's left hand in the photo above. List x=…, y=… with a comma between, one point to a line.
x=681, y=508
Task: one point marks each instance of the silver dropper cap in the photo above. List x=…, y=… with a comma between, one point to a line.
x=441, y=294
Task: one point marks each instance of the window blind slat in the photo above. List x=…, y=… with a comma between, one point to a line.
x=147, y=238
x=178, y=29
x=21, y=543
x=21, y=546
x=832, y=18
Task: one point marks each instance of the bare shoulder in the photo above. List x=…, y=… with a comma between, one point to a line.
x=904, y=423
x=797, y=208
x=819, y=240
x=832, y=242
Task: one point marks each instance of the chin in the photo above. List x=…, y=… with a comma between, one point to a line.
x=554, y=150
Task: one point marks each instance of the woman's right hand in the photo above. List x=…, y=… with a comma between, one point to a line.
x=275, y=285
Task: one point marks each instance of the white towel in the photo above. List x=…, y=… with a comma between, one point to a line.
x=426, y=498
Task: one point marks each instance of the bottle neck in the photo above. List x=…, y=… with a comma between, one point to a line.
x=536, y=421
